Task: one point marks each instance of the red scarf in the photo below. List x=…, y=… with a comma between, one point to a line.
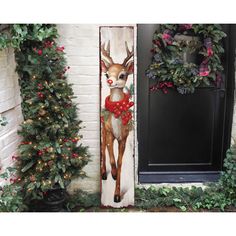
x=120, y=108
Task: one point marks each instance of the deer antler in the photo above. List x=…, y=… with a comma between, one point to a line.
x=106, y=54
x=129, y=54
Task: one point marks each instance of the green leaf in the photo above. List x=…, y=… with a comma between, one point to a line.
x=177, y=200
x=31, y=186
x=63, y=167
x=11, y=169
x=56, y=179
x=4, y=175
x=206, y=81
x=28, y=166
x=48, y=69
x=183, y=208
x=58, y=148
x=64, y=119
x=60, y=181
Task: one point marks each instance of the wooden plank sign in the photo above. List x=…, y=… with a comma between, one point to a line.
x=117, y=135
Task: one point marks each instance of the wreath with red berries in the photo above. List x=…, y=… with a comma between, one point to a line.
x=175, y=45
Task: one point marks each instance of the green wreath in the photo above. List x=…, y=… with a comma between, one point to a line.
x=186, y=56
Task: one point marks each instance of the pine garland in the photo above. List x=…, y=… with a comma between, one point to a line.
x=170, y=70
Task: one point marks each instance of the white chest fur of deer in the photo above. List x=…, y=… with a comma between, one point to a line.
x=114, y=128
x=116, y=123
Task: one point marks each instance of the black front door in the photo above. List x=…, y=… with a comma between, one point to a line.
x=183, y=138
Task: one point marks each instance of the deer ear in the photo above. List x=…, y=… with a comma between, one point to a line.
x=130, y=67
x=103, y=66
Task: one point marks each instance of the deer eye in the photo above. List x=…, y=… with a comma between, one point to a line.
x=122, y=76
x=107, y=75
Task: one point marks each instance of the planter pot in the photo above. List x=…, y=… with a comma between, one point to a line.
x=188, y=55
x=54, y=200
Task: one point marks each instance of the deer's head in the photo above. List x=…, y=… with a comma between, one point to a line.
x=116, y=74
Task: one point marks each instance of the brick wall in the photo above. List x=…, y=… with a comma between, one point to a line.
x=82, y=50
x=9, y=107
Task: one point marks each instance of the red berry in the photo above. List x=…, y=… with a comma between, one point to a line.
x=131, y=104
x=75, y=155
x=40, y=86
x=40, y=95
x=40, y=153
x=60, y=49
x=40, y=52
x=124, y=122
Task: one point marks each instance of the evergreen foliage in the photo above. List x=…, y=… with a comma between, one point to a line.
x=50, y=154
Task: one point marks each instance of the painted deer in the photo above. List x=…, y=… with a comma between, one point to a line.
x=116, y=126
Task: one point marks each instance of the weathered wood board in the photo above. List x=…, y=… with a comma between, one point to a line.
x=117, y=135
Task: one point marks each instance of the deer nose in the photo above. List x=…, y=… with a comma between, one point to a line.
x=109, y=81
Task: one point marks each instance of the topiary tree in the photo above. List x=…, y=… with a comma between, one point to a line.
x=50, y=154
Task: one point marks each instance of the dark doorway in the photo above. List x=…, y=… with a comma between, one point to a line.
x=183, y=138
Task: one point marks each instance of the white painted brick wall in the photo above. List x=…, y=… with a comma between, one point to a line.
x=9, y=108
x=82, y=49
